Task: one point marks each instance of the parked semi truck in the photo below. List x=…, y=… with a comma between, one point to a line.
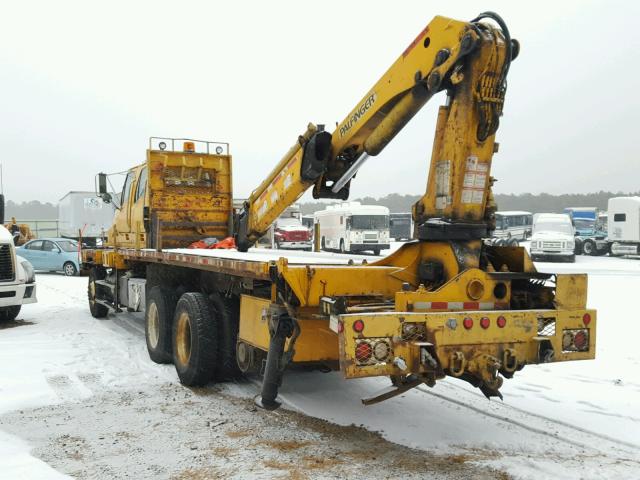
x=624, y=226
x=444, y=304
x=17, y=277
x=590, y=232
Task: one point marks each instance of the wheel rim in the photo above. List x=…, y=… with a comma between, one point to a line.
x=183, y=339
x=153, y=325
x=588, y=248
x=69, y=269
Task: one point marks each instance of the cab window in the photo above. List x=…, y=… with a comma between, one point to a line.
x=126, y=189
x=142, y=184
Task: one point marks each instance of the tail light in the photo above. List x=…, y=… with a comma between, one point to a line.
x=358, y=326
x=363, y=351
x=586, y=319
x=468, y=323
x=575, y=340
x=580, y=340
x=485, y=322
x=501, y=321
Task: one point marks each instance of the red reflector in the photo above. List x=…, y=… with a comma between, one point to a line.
x=340, y=327
x=586, y=319
x=501, y=321
x=467, y=323
x=358, y=326
x=363, y=352
x=484, y=322
x=580, y=340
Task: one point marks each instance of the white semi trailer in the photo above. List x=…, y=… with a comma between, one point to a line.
x=84, y=215
x=623, y=232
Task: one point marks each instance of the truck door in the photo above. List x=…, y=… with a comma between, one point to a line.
x=122, y=219
x=137, y=206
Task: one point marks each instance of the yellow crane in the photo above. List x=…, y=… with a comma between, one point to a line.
x=446, y=304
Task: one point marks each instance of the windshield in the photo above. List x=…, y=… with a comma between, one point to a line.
x=584, y=223
x=288, y=222
x=369, y=222
x=68, y=246
x=551, y=226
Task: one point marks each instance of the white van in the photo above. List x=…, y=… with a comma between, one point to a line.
x=623, y=230
x=352, y=227
x=553, y=238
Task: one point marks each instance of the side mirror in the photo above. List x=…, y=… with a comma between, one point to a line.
x=102, y=188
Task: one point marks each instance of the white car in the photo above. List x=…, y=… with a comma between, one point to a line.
x=553, y=238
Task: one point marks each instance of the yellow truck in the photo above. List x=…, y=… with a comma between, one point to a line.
x=445, y=304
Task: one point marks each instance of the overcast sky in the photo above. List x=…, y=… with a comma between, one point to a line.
x=84, y=84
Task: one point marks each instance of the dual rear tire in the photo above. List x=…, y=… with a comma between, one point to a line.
x=196, y=333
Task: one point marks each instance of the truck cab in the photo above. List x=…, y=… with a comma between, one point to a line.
x=552, y=238
x=181, y=194
x=17, y=279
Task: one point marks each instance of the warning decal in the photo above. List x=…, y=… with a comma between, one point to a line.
x=475, y=181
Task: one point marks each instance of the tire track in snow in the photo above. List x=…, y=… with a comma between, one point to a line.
x=509, y=419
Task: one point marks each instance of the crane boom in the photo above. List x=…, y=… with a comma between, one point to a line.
x=470, y=61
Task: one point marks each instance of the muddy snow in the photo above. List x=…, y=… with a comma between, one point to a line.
x=79, y=398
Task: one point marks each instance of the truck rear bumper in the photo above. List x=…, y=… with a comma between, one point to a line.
x=479, y=343
x=17, y=294
x=295, y=245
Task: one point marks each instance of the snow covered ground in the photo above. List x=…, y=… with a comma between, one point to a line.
x=571, y=420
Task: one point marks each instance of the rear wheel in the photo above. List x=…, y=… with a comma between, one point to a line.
x=513, y=242
x=342, y=250
x=97, y=310
x=161, y=305
x=8, y=314
x=194, y=340
x=69, y=269
x=589, y=247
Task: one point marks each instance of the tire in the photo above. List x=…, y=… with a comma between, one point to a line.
x=277, y=245
x=158, y=320
x=579, y=246
x=9, y=314
x=589, y=248
x=69, y=269
x=342, y=250
x=323, y=244
x=97, y=310
x=501, y=242
x=376, y=251
x=227, y=312
x=194, y=340
x=513, y=242
x=570, y=259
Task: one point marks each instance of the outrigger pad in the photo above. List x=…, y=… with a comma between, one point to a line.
x=265, y=404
